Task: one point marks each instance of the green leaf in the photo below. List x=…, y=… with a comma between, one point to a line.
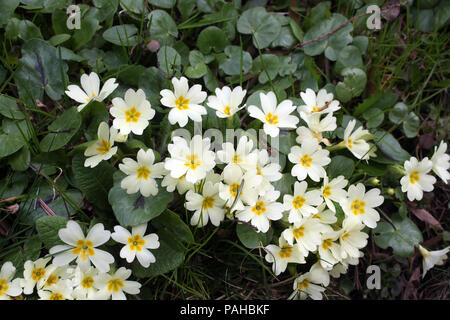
x=340, y=165
x=135, y=6
x=390, y=146
x=337, y=40
x=61, y=207
x=263, y=26
x=14, y=185
x=96, y=182
x=402, y=239
x=399, y=113
x=134, y=209
x=48, y=227
x=271, y=64
x=20, y=160
x=152, y=82
x=169, y=256
x=374, y=117
x=87, y=31
x=57, y=39
x=197, y=71
x=162, y=28
x=296, y=30
x=7, y=9
x=411, y=125
x=361, y=42
x=285, y=39
x=10, y=109
x=173, y=224
x=40, y=69
x=231, y=65
x=123, y=35
x=350, y=56
x=11, y=140
x=166, y=4
x=169, y=60
x=252, y=239
x=61, y=130
x=28, y=30
x=354, y=83
x=212, y=38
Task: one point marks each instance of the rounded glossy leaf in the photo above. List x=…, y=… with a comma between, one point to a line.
x=236, y=58
x=134, y=209
x=263, y=26
x=123, y=35
x=212, y=38
x=162, y=28
x=402, y=239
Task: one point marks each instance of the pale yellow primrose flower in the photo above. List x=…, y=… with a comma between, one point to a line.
x=274, y=115
x=441, y=162
x=193, y=159
x=432, y=258
x=417, y=180
x=141, y=174
x=226, y=102
x=115, y=285
x=184, y=102
x=91, y=87
x=136, y=244
x=82, y=248
x=103, y=148
x=133, y=113
x=9, y=287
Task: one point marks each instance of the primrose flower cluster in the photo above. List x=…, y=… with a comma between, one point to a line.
x=238, y=181
x=91, y=277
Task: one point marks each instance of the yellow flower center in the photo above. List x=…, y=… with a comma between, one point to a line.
x=306, y=160
x=303, y=285
x=285, y=251
x=315, y=109
x=56, y=296
x=227, y=110
x=136, y=242
x=259, y=208
x=3, y=287
x=208, y=202
x=87, y=282
x=271, y=119
x=51, y=280
x=132, y=115
x=414, y=177
x=237, y=159
x=143, y=172
x=258, y=170
x=182, y=103
x=298, y=232
x=84, y=249
x=358, y=207
x=327, y=243
x=349, y=141
x=115, y=285
x=345, y=235
x=37, y=274
x=192, y=161
x=234, y=188
x=105, y=147
x=326, y=191
x=298, y=202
